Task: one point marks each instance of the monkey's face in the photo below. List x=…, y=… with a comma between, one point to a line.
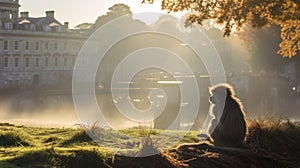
x=212, y=100
x=218, y=96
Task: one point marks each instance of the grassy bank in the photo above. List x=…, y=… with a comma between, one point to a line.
x=269, y=144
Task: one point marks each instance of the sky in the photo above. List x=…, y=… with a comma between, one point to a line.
x=78, y=11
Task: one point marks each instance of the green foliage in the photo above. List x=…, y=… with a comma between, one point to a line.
x=10, y=139
x=78, y=137
x=94, y=134
x=51, y=139
x=115, y=11
x=263, y=46
x=54, y=158
x=270, y=143
x=79, y=159
x=6, y=124
x=35, y=158
x=234, y=14
x=190, y=137
x=140, y=131
x=84, y=26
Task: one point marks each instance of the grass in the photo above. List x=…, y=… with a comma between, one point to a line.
x=280, y=137
x=79, y=137
x=12, y=139
x=270, y=143
x=48, y=147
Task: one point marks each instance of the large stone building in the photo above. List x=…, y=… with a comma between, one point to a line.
x=38, y=52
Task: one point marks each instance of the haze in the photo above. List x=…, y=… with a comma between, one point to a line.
x=77, y=12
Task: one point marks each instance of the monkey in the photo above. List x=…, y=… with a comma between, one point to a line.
x=228, y=126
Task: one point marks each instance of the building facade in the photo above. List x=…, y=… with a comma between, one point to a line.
x=35, y=52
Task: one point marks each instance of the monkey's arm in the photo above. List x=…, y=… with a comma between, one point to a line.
x=212, y=126
x=211, y=132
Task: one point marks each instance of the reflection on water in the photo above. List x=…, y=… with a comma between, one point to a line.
x=36, y=109
x=52, y=109
x=56, y=108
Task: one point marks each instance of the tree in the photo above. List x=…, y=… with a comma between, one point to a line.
x=263, y=45
x=84, y=26
x=233, y=14
x=233, y=54
x=115, y=11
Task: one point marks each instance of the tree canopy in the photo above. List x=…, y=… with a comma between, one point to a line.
x=113, y=12
x=84, y=26
x=234, y=14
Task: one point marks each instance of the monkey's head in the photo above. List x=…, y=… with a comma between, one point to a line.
x=220, y=92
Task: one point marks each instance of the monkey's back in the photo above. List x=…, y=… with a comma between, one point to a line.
x=232, y=128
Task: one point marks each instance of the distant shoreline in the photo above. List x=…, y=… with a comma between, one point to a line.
x=40, y=123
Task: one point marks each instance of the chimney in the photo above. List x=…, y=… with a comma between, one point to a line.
x=50, y=14
x=66, y=24
x=24, y=14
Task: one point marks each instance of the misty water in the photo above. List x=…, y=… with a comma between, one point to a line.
x=24, y=108
x=56, y=108
x=265, y=92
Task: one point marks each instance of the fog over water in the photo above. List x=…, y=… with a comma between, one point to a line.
x=36, y=113
x=263, y=94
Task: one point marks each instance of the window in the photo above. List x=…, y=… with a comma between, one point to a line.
x=37, y=45
x=46, y=61
x=5, y=45
x=37, y=62
x=56, y=61
x=16, y=45
x=32, y=27
x=65, y=62
x=54, y=29
x=8, y=25
x=26, y=62
x=6, y=62
x=16, y=62
x=26, y=45
x=46, y=45
x=73, y=60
